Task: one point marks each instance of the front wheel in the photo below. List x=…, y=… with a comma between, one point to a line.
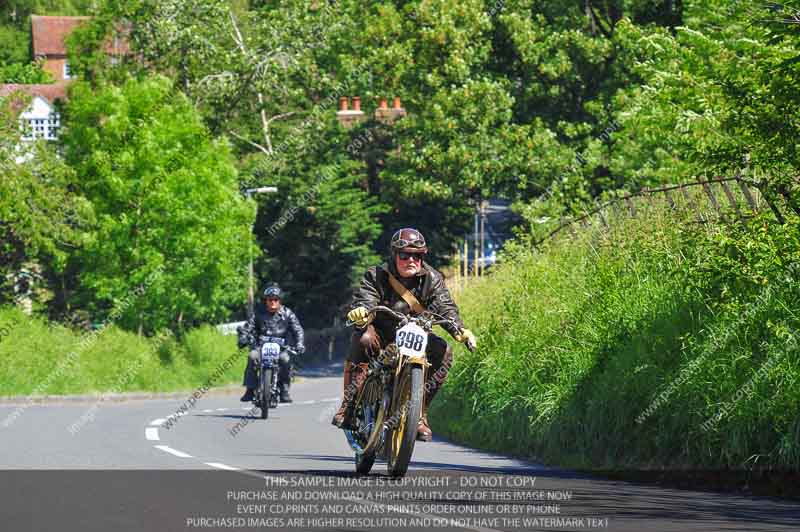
x=265, y=388
x=405, y=419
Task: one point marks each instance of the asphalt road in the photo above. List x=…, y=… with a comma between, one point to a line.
x=122, y=466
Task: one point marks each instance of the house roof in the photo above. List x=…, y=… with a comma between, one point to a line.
x=49, y=33
x=50, y=91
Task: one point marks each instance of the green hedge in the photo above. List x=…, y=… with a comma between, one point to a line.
x=46, y=359
x=621, y=350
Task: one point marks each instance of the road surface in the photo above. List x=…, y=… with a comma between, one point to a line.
x=134, y=465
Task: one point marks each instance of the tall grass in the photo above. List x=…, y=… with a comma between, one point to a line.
x=46, y=359
x=615, y=349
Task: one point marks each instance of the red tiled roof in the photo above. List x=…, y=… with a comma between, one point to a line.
x=50, y=91
x=49, y=33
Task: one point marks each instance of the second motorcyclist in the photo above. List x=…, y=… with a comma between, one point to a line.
x=271, y=321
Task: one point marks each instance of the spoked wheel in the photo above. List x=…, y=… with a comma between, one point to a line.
x=265, y=389
x=407, y=411
x=368, y=414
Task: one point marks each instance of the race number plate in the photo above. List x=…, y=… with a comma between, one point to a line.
x=411, y=340
x=270, y=350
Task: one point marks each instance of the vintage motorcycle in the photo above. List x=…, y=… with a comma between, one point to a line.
x=267, y=393
x=388, y=407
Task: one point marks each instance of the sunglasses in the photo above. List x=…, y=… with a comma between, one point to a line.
x=408, y=256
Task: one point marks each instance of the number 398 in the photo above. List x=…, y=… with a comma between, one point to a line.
x=410, y=340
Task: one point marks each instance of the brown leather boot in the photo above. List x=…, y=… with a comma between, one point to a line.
x=424, y=432
x=354, y=377
x=433, y=383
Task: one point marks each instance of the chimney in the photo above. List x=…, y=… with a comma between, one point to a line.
x=348, y=118
x=386, y=115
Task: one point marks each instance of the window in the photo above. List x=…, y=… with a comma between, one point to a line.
x=67, y=71
x=41, y=128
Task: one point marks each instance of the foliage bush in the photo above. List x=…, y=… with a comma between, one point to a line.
x=24, y=73
x=620, y=350
x=37, y=359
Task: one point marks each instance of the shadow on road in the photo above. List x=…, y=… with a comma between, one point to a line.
x=629, y=506
x=229, y=416
x=316, y=371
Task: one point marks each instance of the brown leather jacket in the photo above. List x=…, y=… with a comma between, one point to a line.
x=427, y=286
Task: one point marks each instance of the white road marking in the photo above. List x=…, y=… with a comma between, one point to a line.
x=207, y=410
x=158, y=422
x=222, y=466
x=170, y=450
x=180, y=454
x=151, y=433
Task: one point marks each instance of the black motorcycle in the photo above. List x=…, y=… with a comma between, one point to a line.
x=267, y=392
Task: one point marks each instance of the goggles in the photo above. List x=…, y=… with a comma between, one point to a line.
x=403, y=243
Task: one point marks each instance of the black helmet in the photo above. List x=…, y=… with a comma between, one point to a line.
x=273, y=290
x=408, y=240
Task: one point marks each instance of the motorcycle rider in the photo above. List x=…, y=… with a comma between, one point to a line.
x=406, y=264
x=274, y=322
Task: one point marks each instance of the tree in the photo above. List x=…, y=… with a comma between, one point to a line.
x=256, y=76
x=169, y=217
x=39, y=214
x=717, y=96
x=24, y=73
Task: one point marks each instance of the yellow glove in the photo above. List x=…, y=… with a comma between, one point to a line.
x=467, y=338
x=359, y=316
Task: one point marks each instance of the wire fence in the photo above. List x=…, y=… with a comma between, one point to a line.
x=717, y=200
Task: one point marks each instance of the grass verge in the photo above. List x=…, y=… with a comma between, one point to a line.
x=655, y=345
x=41, y=358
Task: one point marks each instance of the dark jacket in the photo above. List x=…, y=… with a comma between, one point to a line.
x=427, y=286
x=281, y=324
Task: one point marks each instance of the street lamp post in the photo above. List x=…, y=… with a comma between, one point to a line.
x=249, y=193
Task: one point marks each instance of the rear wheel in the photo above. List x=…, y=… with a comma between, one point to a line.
x=364, y=462
x=406, y=414
x=265, y=389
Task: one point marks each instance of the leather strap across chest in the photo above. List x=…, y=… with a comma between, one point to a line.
x=406, y=294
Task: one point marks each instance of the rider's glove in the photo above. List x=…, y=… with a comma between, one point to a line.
x=467, y=338
x=299, y=349
x=242, y=338
x=359, y=316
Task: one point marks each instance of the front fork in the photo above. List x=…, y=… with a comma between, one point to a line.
x=404, y=362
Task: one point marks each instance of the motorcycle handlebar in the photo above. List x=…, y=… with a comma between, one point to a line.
x=401, y=317
x=404, y=318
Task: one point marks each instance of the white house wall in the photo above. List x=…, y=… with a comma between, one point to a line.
x=39, y=108
x=40, y=120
